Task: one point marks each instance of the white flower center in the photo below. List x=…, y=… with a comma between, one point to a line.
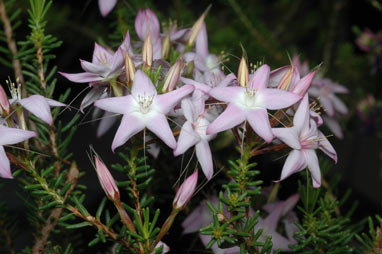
x=145, y=102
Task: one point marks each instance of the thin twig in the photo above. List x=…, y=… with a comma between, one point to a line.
x=55, y=214
x=12, y=47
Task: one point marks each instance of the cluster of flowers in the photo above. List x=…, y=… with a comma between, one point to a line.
x=172, y=75
x=196, y=92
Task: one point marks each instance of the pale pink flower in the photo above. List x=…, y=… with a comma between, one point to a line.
x=144, y=108
x=304, y=138
x=193, y=133
x=250, y=104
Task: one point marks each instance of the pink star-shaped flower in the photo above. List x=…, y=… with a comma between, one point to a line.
x=304, y=138
x=193, y=132
x=250, y=104
x=144, y=108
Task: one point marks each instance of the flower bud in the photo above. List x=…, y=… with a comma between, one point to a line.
x=147, y=54
x=196, y=28
x=303, y=84
x=286, y=79
x=243, y=75
x=185, y=192
x=147, y=22
x=172, y=76
x=5, y=108
x=106, y=180
x=166, y=47
x=129, y=68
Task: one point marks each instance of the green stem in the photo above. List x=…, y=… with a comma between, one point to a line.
x=165, y=228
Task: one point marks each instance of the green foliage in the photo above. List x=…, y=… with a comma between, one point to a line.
x=237, y=228
x=371, y=242
x=321, y=229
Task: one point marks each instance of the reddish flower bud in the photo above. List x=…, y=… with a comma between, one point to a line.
x=185, y=192
x=5, y=108
x=130, y=69
x=166, y=47
x=172, y=76
x=286, y=79
x=106, y=180
x=147, y=53
x=196, y=28
x=243, y=74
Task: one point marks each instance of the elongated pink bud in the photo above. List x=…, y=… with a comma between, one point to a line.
x=303, y=84
x=166, y=46
x=196, y=28
x=286, y=79
x=147, y=53
x=172, y=76
x=242, y=73
x=106, y=180
x=185, y=192
x=130, y=69
x=5, y=108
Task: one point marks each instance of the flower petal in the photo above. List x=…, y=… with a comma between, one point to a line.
x=339, y=105
x=275, y=76
x=201, y=44
x=54, y=103
x=5, y=166
x=227, y=80
x=120, y=105
x=189, y=110
x=129, y=126
x=259, y=121
x=231, y=117
x=260, y=79
x=99, y=69
x=166, y=102
x=193, y=221
x=198, y=86
x=203, y=152
x=11, y=136
x=105, y=6
x=94, y=94
x=333, y=126
x=187, y=138
x=160, y=127
x=302, y=116
x=100, y=54
x=327, y=104
x=107, y=121
x=142, y=85
x=289, y=136
x=226, y=94
x=38, y=105
x=326, y=147
x=84, y=77
x=314, y=168
x=303, y=84
x=273, y=99
x=294, y=163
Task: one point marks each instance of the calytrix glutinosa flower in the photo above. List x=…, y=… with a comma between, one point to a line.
x=144, y=108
